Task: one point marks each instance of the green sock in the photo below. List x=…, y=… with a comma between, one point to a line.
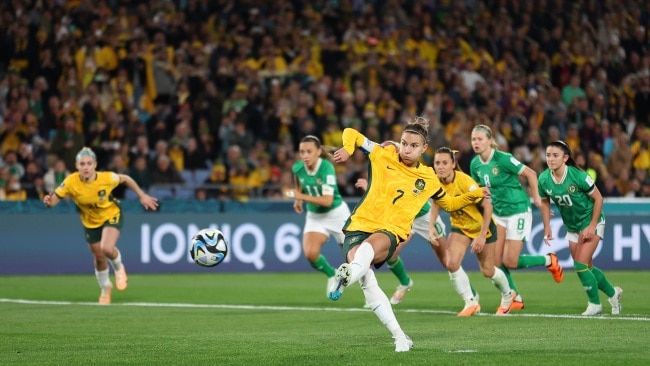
x=526, y=261
x=397, y=267
x=511, y=282
x=324, y=266
x=588, y=280
x=603, y=283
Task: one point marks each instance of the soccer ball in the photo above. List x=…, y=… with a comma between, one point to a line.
x=209, y=247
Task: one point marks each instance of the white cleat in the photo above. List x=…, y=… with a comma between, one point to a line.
x=399, y=293
x=615, y=301
x=593, y=309
x=342, y=279
x=331, y=283
x=403, y=343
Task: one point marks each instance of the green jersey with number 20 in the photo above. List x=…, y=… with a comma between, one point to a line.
x=571, y=195
x=500, y=173
x=318, y=183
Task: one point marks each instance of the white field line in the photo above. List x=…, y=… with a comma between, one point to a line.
x=630, y=317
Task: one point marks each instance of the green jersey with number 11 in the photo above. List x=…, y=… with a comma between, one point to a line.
x=320, y=182
x=571, y=195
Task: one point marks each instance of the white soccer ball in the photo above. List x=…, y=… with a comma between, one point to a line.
x=209, y=247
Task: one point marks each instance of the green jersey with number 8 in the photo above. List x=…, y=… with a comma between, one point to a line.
x=501, y=175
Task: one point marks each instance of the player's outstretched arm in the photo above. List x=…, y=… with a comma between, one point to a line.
x=147, y=201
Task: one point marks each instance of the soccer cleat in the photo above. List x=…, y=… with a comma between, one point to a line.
x=506, y=303
x=121, y=279
x=398, y=295
x=593, y=309
x=331, y=282
x=615, y=301
x=517, y=305
x=555, y=268
x=342, y=279
x=403, y=343
x=105, y=296
x=471, y=308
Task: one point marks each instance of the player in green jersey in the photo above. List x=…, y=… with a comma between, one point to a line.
x=580, y=204
x=500, y=171
x=315, y=181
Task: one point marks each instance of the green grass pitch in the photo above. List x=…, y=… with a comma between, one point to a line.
x=285, y=319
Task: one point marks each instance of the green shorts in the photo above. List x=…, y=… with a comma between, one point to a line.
x=355, y=238
x=94, y=235
x=490, y=240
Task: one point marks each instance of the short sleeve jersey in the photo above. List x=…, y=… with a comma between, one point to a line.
x=321, y=182
x=571, y=195
x=469, y=219
x=96, y=205
x=501, y=175
x=396, y=193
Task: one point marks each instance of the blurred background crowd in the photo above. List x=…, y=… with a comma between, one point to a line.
x=203, y=99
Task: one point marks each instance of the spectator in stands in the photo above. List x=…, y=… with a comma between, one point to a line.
x=13, y=165
x=55, y=175
x=141, y=173
x=67, y=142
x=164, y=172
x=13, y=190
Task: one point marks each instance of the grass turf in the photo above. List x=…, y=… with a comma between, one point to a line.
x=286, y=319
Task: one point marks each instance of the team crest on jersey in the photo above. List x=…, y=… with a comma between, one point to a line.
x=494, y=170
x=319, y=181
x=102, y=194
x=419, y=186
x=572, y=189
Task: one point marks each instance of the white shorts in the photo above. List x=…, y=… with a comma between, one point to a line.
x=518, y=227
x=421, y=226
x=575, y=237
x=329, y=223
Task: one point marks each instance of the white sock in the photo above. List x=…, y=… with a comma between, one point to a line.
x=116, y=262
x=548, y=260
x=102, y=279
x=500, y=281
x=361, y=262
x=379, y=303
x=460, y=280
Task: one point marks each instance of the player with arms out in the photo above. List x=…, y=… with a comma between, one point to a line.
x=315, y=181
x=471, y=226
x=580, y=204
x=398, y=187
x=427, y=224
x=101, y=215
x=500, y=172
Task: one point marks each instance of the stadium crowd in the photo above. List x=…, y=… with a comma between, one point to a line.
x=213, y=97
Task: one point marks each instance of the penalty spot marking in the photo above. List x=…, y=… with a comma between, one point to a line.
x=629, y=317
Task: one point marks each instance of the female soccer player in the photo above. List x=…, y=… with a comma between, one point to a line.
x=434, y=233
x=580, y=204
x=398, y=188
x=471, y=226
x=101, y=215
x=500, y=172
x=315, y=181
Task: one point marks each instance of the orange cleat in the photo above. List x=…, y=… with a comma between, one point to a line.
x=555, y=268
x=121, y=279
x=105, y=297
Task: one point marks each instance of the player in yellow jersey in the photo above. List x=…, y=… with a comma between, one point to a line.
x=101, y=215
x=398, y=187
x=471, y=226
